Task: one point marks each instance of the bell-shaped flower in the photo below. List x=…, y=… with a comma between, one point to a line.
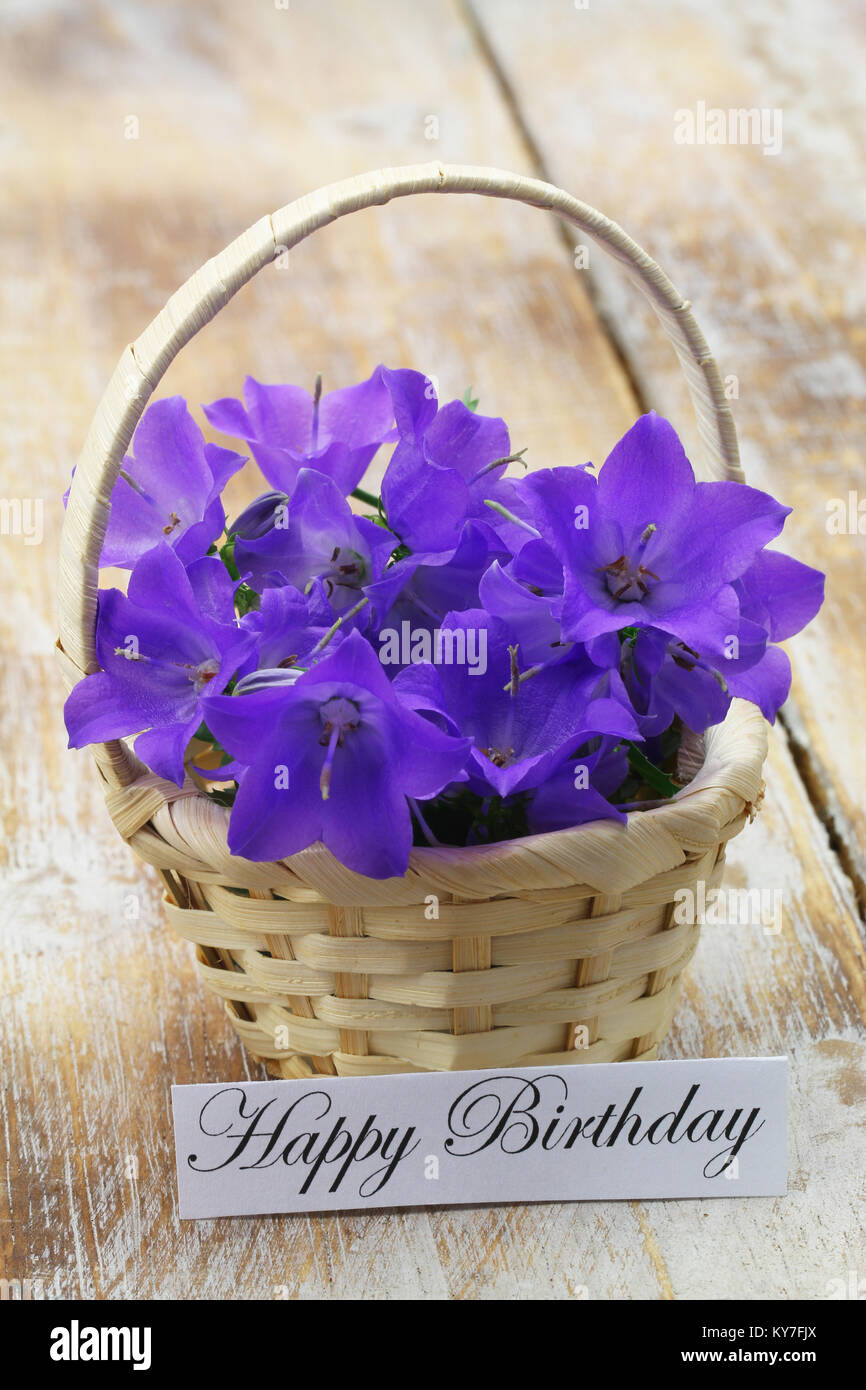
x=526, y=592
x=521, y=729
x=778, y=596
x=333, y=757
x=646, y=545
x=288, y=429
x=422, y=594
x=321, y=539
x=665, y=678
x=169, y=489
x=288, y=625
x=162, y=647
x=446, y=463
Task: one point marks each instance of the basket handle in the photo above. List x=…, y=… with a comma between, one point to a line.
x=144, y=362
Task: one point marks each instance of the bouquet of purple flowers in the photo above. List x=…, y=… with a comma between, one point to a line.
x=473, y=657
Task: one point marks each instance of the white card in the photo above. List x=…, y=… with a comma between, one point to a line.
x=516, y=1134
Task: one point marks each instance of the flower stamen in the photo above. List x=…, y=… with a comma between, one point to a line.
x=339, y=717
x=630, y=579
x=500, y=757
x=317, y=396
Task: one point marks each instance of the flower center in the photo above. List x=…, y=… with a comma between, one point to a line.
x=203, y=674
x=347, y=570
x=339, y=717
x=173, y=523
x=500, y=757
x=628, y=578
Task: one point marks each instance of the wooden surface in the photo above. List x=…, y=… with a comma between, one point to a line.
x=239, y=109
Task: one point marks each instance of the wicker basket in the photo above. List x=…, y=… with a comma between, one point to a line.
x=551, y=949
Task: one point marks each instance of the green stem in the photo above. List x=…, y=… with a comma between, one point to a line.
x=367, y=497
x=320, y=646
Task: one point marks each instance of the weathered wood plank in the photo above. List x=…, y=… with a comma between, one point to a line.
x=104, y=1010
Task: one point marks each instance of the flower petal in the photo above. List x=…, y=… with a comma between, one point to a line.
x=460, y=438
x=413, y=400
x=164, y=749
x=277, y=810
x=366, y=822
x=788, y=592
x=646, y=478
x=767, y=684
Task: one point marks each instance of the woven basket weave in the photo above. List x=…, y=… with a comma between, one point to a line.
x=551, y=949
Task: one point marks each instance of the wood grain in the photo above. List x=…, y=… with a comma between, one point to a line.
x=241, y=108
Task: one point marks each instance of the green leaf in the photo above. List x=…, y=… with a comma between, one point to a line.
x=227, y=555
x=223, y=796
x=246, y=600
x=653, y=776
x=470, y=401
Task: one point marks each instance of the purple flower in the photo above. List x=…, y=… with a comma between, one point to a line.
x=161, y=647
x=527, y=593
x=422, y=594
x=288, y=429
x=580, y=790
x=778, y=596
x=646, y=545
x=665, y=678
x=332, y=758
x=321, y=539
x=527, y=629
x=169, y=492
x=521, y=733
x=446, y=463
x=288, y=626
x=261, y=516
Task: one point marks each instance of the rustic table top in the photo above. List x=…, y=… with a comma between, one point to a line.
x=136, y=142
